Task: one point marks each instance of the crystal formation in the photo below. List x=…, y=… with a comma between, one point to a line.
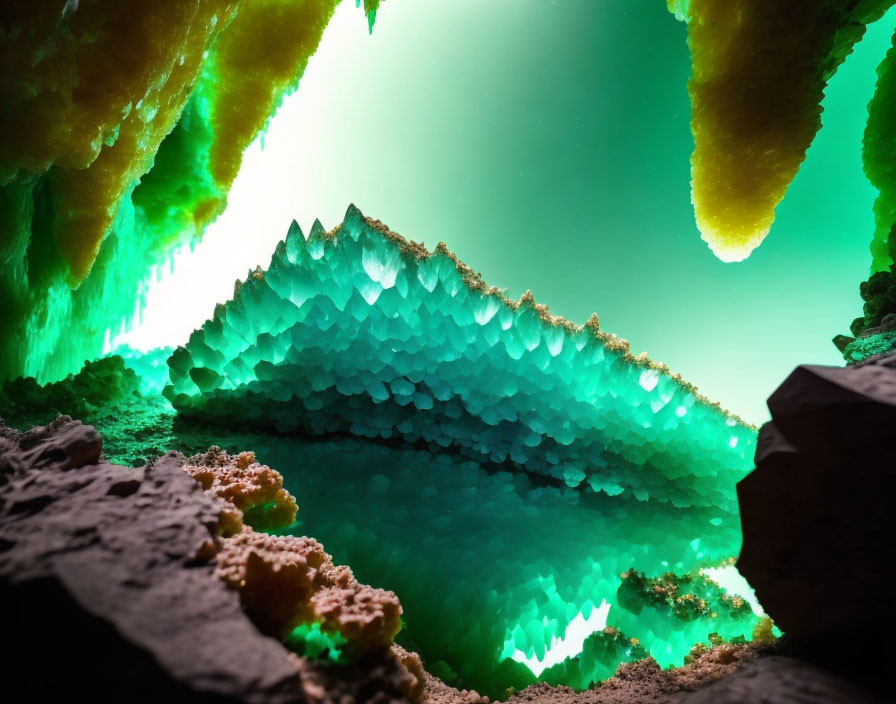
x=254, y=490
x=123, y=127
x=461, y=544
x=473, y=413
x=529, y=471
x=759, y=71
x=287, y=582
x=359, y=331
x=424, y=524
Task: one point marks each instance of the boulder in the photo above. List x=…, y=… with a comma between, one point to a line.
x=816, y=511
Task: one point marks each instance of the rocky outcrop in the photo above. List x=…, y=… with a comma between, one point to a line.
x=816, y=513
x=108, y=577
x=98, y=384
x=284, y=580
x=255, y=490
x=110, y=570
x=108, y=588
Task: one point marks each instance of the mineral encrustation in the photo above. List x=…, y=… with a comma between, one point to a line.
x=358, y=331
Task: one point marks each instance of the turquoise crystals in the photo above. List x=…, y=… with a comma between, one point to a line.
x=487, y=461
x=360, y=332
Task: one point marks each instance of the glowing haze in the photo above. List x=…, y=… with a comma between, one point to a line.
x=551, y=152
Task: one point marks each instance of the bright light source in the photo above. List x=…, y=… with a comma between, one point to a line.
x=729, y=579
x=571, y=644
x=289, y=174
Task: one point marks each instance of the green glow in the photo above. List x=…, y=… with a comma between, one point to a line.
x=150, y=366
x=493, y=568
x=179, y=187
x=93, y=202
x=357, y=331
x=734, y=584
x=310, y=641
x=880, y=144
x=526, y=421
x=559, y=649
x=865, y=347
x=568, y=463
x=570, y=178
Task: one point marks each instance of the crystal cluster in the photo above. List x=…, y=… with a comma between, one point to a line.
x=255, y=491
x=360, y=332
x=495, y=569
x=447, y=441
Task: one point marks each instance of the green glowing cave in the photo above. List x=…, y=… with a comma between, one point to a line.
x=503, y=497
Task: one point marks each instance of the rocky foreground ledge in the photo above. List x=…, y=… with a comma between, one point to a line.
x=109, y=590
x=118, y=584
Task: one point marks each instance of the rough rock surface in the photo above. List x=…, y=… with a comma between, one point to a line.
x=287, y=580
x=107, y=586
x=816, y=524
x=97, y=384
x=780, y=680
x=121, y=557
x=724, y=675
x=255, y=490
x=645, y=681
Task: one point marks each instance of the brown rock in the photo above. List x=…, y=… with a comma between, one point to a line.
x=108, y=590
x=106, y=587
x=255, y=489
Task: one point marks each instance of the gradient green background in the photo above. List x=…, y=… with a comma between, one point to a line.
x=548, y=144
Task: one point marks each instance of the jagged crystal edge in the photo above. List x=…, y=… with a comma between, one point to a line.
x=360, y=331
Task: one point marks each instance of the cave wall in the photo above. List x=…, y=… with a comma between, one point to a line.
x=122, y=128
